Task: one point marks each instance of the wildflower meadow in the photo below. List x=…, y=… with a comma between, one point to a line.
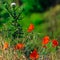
x=29, y=30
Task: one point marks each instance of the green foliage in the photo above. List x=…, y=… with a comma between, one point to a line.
x=10, y=18
x=32, y=5
x=37, y=18
x=4, y=16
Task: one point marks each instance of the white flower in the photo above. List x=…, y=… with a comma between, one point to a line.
x=13, y=4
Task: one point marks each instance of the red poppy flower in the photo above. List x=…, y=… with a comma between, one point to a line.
x=19, y=46
x=31, y=28
x=34, y=55
x=54, y=43
x=45, y=40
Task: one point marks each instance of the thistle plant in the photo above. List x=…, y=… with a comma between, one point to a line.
x=13, y=25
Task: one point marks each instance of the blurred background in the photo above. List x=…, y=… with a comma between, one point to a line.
x=44, y=14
